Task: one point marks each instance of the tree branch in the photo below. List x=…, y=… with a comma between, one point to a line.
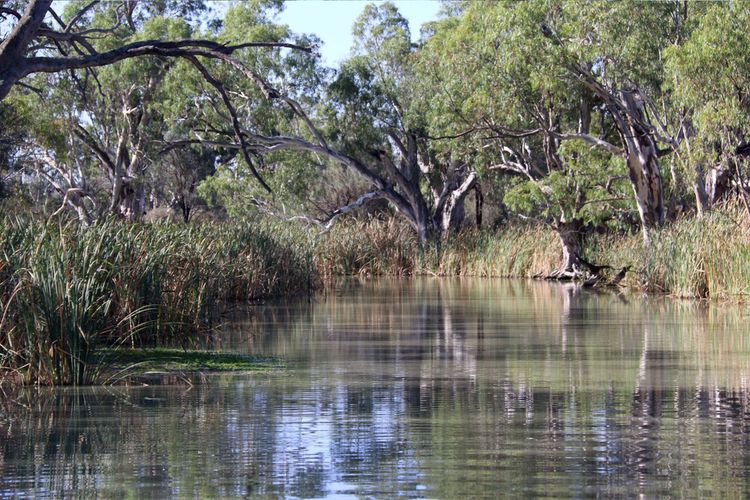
x=235, y=120
x=601, y=143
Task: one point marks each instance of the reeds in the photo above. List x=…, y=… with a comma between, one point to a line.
x=371, y=247
x=389, y=247
x=706, y=257
x=66, y=290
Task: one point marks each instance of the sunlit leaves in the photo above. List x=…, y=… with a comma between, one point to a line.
x=710, y=72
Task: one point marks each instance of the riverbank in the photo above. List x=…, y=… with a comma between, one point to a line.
x=67, y=291
x=703, y=258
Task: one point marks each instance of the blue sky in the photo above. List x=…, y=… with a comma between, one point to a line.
x=332, y=21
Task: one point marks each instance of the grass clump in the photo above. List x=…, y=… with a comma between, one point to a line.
x=67, y=290
x=368, y=248
x=706, y=257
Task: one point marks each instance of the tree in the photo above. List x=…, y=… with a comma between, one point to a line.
x=117, y=115
x=379, y=98
x=13, y=134
x=34, y=46
x=618, y=57
x=494, y=78
x=368, y=129
x=94, y=34
x=535, y=75
x=710, y=78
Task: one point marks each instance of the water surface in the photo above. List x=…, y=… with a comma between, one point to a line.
x=419, y=388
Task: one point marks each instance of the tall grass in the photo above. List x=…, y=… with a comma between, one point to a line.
x=707, y=257
x=390, y=247
x=692, y=257
x=66, y=290
x=371, y=247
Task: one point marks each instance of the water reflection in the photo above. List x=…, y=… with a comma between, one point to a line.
x=421, y=388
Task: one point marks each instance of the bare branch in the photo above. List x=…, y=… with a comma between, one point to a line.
x=95, y=147
x=601, y=143
x=80, y=14
x=6, y=11
x=362, y=200
x=244, y=149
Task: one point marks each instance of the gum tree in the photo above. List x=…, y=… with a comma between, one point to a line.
x=36, y=39
x=710, y=77
x=535, y=75
x=366, y=127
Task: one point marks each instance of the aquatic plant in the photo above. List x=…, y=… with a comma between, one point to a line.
x=67, y=290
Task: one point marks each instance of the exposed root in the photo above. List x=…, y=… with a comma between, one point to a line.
x=593, y=276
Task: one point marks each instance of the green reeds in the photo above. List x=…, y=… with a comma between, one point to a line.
x=692, y=257
x=389, y=247
x=67, y=290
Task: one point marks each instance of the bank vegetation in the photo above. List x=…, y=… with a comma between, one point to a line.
x=160, y=158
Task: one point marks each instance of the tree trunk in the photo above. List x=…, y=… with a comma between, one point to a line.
x=185, y=208
x=718, y=183
x=459, y=214
x=478, y=204
x=130, y=201
x=569, y=234
x=643, y=162
x=702, y=204
x=449, y=209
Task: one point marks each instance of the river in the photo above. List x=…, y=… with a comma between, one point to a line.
x=424, y=388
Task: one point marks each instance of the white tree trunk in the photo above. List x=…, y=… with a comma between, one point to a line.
x=642, y=161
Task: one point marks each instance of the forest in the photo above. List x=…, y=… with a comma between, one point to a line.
x=159, y=157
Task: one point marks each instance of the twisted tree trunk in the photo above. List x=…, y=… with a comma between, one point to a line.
x=569, y=234
x=642, y=159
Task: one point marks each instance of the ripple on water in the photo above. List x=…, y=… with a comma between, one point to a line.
x=419, y=388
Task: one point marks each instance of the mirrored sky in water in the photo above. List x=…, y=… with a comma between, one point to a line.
x=419, y=388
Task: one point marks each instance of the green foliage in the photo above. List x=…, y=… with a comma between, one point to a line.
x=592, y=188
x=710, y=75
x=133, y=362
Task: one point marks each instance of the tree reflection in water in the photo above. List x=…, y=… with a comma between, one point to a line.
x=439, y=388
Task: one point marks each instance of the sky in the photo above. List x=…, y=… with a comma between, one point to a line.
x=332, y=21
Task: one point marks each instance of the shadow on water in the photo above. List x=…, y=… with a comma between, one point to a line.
x=425, y=387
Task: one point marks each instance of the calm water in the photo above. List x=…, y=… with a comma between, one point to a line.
x=419, y=388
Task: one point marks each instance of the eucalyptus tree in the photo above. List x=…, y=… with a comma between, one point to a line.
x=366, y=126
x=379, y=100
x=175, y=178
x=288, y=177
x=39, y=40
x=618, y=58
x=96, y=130
x=13, y=135
x=534, y=75
x=118, y=115
x=52, y=156
x=710, y=77
x=36, y=39
x=495, y=79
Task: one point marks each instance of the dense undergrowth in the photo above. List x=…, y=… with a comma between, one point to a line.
x=67, y=291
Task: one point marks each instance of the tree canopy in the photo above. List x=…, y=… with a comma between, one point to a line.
x=597, y=116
